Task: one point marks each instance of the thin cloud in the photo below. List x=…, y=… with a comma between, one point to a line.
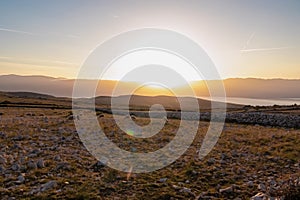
x=42, y=62
x=58, y=34
x=30, y=65
x=16, y=31
x=5, y=57
x=73, y=36
x=59, y=62
x=265, y=49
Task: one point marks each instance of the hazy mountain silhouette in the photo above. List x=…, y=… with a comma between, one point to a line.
x=235, y=87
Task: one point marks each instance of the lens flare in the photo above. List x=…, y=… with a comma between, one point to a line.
x=130, y=132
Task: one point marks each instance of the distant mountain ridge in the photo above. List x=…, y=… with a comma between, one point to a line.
x=235, y=87
x=27, y=95
x=136, y=102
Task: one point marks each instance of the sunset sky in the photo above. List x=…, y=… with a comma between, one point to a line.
x=243, y=38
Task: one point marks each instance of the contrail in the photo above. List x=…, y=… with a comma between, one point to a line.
x=38, y=61
x=244, y=49
x=30, y=33
x=16, y=31
x=264, y=49
x=249, y=40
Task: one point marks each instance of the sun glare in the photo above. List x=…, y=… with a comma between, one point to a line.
x=152, y=89
x=154, y=86
x=176, y=70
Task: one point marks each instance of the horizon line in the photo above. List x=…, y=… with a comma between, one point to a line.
x=68, y=78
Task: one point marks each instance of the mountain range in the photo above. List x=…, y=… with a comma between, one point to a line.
x=234, y=87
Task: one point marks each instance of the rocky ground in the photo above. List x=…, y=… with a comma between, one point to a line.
x=265, y=116
x=41, y=156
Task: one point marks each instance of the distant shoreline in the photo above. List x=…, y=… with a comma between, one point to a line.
x=258, y=101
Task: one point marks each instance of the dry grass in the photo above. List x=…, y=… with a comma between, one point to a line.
x=243, y=153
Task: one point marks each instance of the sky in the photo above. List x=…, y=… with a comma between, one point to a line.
x=243, y=38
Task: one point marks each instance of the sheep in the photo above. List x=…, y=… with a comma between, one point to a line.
x=165, y=119
x=126, y=116
x=100, y=115
x=132, y=116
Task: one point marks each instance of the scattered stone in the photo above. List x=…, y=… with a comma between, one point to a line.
x=31, y=165
x=186, y=190
x=241, y=171
x=21, y=179
x=16, y=146
x=18, y=138
x=40, y=163
x=15, y=167
x=69, y=139
x=63, y=166
x=273, y=182
x=264, y=119
x=259, y=196
x=49, y=185
x=205, y=196
x=162, y=180
x=176, y=187
x=111, y=133
x=2, y=169
x=133, y=149
x=46, y=120
x=34, y=191
x=234, y=153
x=2, y=134
x=222, y=162
x=211, y=161
x=97, y=166
x=224, y=156
x=250, y=184
x=57, y=158
x=227, y=190
x=261, y=187
x=32, y=155
x=2, y=160
x=61, y=130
